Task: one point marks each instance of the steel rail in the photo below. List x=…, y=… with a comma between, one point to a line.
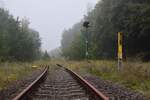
x=96, y=93
x=27, y=90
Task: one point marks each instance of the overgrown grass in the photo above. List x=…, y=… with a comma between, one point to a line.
x=10, y=72
x=134, y=75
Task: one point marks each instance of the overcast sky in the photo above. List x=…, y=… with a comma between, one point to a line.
x=49, y=17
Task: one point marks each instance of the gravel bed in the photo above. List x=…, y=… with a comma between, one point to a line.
x=17, y=86
x=114, y=91
x=60, y=85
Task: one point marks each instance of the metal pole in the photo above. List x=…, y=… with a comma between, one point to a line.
x=86, y=25
x=87, y=53
x=119, y=64
x=120, y=50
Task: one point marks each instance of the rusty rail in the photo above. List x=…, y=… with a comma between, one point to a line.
x=96, y=93
x=35, y=83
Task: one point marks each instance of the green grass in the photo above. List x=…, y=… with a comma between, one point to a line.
x=10, y=72
x=135, y=75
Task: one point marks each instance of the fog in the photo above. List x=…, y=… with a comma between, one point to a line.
x=49, y=17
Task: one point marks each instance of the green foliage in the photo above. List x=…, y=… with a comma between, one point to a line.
x=107, y=18
x=46, y=56
x=17, y=40
x=73, y=44
x=77, y=48
x=56, y=53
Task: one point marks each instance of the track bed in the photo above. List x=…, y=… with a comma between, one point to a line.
x=60, y=85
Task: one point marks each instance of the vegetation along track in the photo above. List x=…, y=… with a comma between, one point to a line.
x=60, y=84
x=63, y=84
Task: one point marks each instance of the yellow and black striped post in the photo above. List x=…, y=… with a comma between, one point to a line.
x=120, y=50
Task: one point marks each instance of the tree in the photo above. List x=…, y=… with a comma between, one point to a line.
x=17, y=40
x=46, y=56
x=107, y=18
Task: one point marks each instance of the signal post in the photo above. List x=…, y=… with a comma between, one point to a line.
x=86, y=25
x=120, y=50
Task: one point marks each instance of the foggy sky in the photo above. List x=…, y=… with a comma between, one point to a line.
x=49, y=17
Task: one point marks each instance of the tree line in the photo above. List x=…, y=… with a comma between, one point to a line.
x=18, y=42
x=132, y=17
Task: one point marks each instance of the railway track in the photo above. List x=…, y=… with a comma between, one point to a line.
x=60, y=84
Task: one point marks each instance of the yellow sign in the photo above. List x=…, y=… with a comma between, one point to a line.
x=120, y=45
